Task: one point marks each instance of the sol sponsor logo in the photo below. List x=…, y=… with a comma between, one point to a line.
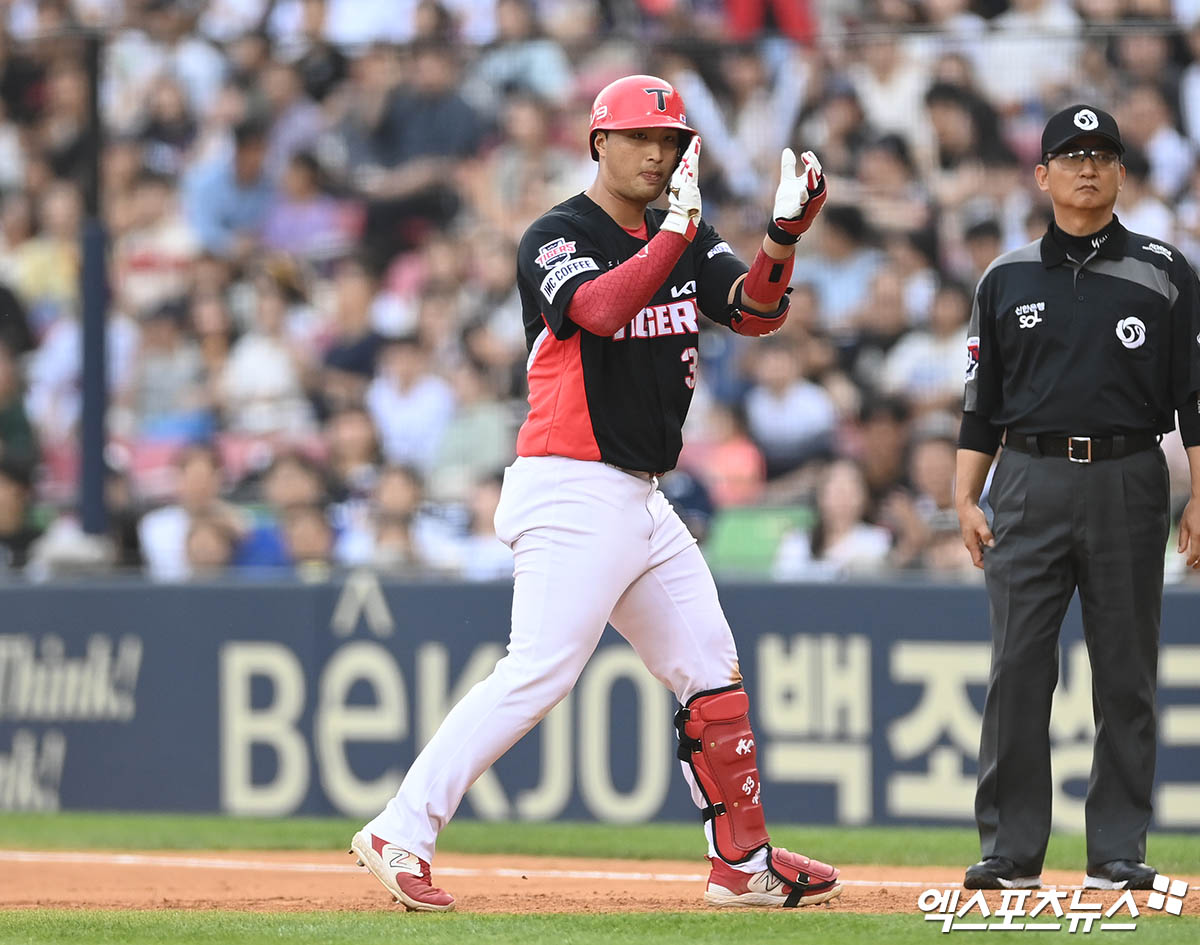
x=1086, y=119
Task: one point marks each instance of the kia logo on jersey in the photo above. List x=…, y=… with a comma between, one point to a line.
x=549, y=254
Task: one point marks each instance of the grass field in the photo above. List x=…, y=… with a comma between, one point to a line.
x=918, y=847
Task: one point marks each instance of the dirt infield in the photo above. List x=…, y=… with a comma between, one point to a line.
x=287, y=882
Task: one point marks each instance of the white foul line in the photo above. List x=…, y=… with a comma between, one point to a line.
x=208, y=863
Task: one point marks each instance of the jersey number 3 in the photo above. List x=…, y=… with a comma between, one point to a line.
x=690, y=356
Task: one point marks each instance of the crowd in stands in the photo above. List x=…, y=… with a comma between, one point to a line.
x=315, y=352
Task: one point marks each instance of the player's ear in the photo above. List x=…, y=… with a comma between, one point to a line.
x=600, y=142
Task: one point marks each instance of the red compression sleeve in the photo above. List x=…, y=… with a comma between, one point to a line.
x=768, y=278
x=606, y=303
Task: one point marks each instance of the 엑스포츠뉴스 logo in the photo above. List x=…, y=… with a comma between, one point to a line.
x=1086, y=119
x=1132, y=332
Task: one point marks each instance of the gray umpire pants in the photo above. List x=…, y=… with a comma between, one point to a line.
x=1102, y=528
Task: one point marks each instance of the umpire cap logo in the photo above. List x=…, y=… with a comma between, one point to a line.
x=1132, y=332
x=1086, y=120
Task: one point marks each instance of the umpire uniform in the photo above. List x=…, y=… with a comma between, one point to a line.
x=1083, y=347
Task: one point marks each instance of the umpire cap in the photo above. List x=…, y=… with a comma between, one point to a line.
x=1077, y=121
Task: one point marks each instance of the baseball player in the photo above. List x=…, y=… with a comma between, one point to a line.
x=613, y=293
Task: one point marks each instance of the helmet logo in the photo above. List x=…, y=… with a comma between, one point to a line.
x=599, y=113
x=662, y=97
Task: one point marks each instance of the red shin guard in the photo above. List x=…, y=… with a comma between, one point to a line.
x=716, y=741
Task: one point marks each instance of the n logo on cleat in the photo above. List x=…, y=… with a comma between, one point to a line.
x=401, y=860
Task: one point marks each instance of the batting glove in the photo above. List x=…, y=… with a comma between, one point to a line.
x=684, y=194
x=799, y=198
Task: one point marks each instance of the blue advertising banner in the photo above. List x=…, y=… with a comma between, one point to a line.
x=312, y=699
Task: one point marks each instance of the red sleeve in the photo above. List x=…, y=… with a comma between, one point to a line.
x=604, y=304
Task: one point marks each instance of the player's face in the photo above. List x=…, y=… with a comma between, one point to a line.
x=637, y=164
x=1086, y=185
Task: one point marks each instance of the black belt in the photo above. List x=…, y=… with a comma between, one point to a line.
x=1080, y=449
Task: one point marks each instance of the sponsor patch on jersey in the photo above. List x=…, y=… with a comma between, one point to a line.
x=1132, y=332
x=721, y=247
x=555, y=278
x=972, y=356
x=1160, y=249
x=551, y=254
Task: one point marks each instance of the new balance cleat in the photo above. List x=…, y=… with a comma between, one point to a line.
x=789, y=880
x=405, y=875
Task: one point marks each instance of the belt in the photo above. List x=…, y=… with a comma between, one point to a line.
x=640, y=473
x=1080, y=449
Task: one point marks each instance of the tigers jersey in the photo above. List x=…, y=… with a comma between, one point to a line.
x=621, y=399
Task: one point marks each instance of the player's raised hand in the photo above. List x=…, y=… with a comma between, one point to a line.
x=683, y=193
x=799, y=198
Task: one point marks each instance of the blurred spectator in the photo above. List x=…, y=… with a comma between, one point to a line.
x=481, y=555
x=321, y=64
x=353, y=454
x=891, y=195
x=1031, y=53
x=842, y=268
x=690, y=498
x=168, y=131
x=402, y=144
x=227, y=199
x=480, y=437
x=169, y=397
x=890, y=84
x=209, y=546
x=305, y=219
x=350, y=359
x=983, y=244
x=295, y=121
x=410, y=403
x=925, y=367
x=46, y=266
x=292, y=480
x=726, y=460
x=881, y=323
x=403, y=532
x=262, y=384
x=18, y=442
x=1147, y=124
x=17, y=531
x=839, y=123
x=526, y=173
x=790, y=418
x=309, y=540
x=164, y=531
x=1140, y=209
x=915, y=515
x=878, y=444
x=522, y=60
x=842, y=543
x=152, y=258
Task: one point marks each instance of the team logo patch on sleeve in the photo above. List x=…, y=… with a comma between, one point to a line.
x=556, y=277
x=972, y=356
x=721, y=247
x=551, y=254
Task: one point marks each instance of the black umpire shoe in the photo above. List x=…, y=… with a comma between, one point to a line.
x=999, y=872
x=1120, y=874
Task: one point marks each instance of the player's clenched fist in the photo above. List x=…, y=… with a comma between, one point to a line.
x=799, y=198
x=683, y=192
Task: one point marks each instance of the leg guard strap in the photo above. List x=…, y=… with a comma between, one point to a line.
x=716, y=741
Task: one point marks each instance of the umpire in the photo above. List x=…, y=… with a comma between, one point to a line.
x=1084, y=345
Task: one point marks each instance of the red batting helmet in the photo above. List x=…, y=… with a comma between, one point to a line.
x=638, y=101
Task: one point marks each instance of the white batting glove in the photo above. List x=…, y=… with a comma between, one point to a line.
x=683, y=194
x=799, y=198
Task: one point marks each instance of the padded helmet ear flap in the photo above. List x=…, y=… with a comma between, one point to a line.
x=716, y=741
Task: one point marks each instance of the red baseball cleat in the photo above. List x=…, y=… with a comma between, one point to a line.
x=405, y=875
x=789, y=880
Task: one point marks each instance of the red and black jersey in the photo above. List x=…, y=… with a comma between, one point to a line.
x=619, y=399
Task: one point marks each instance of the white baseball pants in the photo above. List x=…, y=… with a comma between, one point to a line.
x=592, y=545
